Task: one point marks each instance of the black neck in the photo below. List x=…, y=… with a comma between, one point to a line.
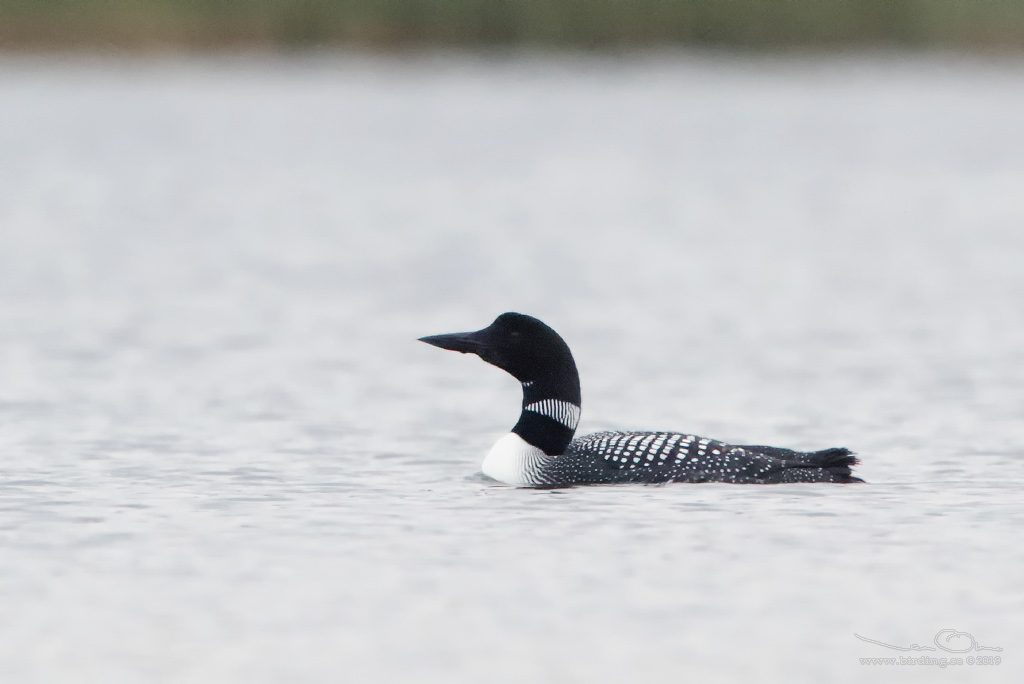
x=544, y=432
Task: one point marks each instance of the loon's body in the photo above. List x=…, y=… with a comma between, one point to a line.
x=541, y=452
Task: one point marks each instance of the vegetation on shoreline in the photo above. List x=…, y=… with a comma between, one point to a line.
x=154, y=24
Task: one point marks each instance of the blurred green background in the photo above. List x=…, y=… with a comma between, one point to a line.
x=157, y=24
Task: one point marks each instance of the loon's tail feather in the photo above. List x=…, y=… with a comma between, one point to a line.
x=838, y=461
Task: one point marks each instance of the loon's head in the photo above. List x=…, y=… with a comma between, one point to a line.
x=540, y=359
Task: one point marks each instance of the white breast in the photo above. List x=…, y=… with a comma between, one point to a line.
x=514, y=461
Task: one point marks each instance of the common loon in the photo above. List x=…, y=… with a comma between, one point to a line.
x=541, y=452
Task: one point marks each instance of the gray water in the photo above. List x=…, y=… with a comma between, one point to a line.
x=225, y=458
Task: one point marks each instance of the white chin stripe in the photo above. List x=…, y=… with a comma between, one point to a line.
x=566, y=413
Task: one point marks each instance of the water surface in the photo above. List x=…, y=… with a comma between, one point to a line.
x=225, y=458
